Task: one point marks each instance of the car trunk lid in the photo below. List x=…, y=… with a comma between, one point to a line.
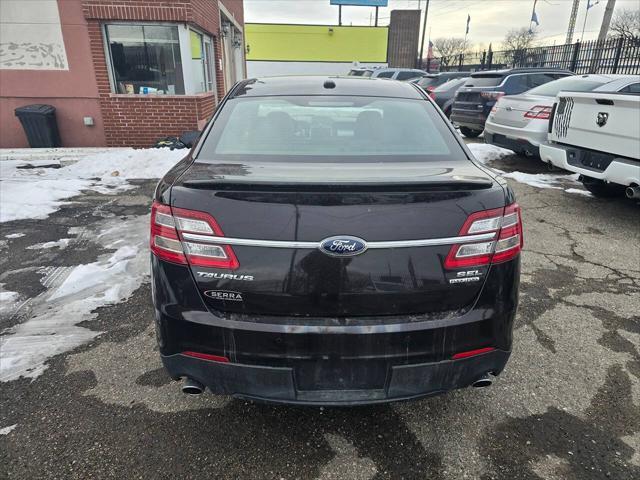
x=297, y=206
x=519, y=110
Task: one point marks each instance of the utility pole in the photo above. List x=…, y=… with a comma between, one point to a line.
x=572, y=21
x=602, y=36
x=606, y=20
x=584, y=24
x=424, y=30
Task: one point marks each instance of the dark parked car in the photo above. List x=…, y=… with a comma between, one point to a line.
x=333, y=241
x=475, y=99
x=433, y=80
x=445, y=94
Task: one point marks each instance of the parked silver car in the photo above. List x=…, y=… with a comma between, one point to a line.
x=386, y=72
x=520, y=122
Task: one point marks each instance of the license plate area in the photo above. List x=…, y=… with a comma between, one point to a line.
x=341, y=375
x=596, y=161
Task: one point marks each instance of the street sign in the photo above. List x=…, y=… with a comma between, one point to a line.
x=360, y=3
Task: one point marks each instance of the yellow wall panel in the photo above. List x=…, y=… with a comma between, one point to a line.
x=315, y=43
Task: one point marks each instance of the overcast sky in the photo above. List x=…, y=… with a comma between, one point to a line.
x=490, y=19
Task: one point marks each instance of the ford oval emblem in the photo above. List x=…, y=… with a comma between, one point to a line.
x=343, y=246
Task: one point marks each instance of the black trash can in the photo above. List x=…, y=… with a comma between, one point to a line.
x=40, y=126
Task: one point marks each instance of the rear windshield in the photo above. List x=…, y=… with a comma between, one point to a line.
x=450, y=84
x=360, y=73
x=426, y=81
x=570, y=84
x=352, y=128
x=484, y=81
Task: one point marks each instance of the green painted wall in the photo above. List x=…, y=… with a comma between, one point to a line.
x=316, y=43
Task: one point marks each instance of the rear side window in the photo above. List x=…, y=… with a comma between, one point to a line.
x=451, y=85
x=288, y=128
x=537, y=79
x=428, y=81
x=633, y=89
x=517, y=84
x=407, y=75
x=388, y=74
x=568, y=84
x=484, y=80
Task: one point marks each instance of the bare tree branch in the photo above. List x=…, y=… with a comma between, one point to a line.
x=626, y=23
x=449, y=49
x=516, y=42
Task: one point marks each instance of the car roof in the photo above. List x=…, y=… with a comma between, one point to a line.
x=417, y=71
x=510, y=71
x=616, y=82
x=324, y=85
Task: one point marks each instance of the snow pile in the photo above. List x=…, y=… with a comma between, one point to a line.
x=484, y=152
x=8, y=430
x=14, y=235
x=7, y=300
x=53, y=328
x=545, y=180
x=579, y=191
x=6, y=296
x=61, y=244
x=38, y=192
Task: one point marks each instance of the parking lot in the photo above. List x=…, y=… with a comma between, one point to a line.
x=84, y=394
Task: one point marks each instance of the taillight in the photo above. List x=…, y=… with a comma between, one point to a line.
x=494, y=109
x=167, y=242
x=206, y=356
x=473, y=353
x=492, y=95
x=432, y=95
x=507, y=244
x=540, y=112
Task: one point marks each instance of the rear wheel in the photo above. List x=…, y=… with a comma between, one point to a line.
x=469, y=133
x=602, y=189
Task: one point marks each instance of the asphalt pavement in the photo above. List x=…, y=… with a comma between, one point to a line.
x=566, y=407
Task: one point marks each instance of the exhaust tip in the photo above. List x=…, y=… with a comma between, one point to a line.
x=483, y=381
x=192, y=387
x=632, y=191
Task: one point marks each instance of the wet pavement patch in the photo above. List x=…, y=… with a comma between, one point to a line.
x=590, y=447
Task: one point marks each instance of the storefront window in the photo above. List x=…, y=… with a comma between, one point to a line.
x=146, y=59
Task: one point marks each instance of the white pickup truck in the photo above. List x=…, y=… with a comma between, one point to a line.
x=598, y=136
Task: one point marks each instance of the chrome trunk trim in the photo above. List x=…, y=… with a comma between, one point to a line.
x=250, y=242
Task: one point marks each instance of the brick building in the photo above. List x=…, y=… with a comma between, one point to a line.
x=119, y=72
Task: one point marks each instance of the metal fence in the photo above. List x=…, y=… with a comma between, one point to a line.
x=613, y=55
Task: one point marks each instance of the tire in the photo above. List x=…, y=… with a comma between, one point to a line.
x=602, y=189
x=467, y=132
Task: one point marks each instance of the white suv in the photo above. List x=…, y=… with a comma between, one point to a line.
x=597, y=134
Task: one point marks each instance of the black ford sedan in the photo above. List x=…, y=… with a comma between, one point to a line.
x=332, y=241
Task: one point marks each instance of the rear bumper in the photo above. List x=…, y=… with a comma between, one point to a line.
x=466, y=118
x=620, y=171
x=516, y=139
x=332, y=361
x=281, y=385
